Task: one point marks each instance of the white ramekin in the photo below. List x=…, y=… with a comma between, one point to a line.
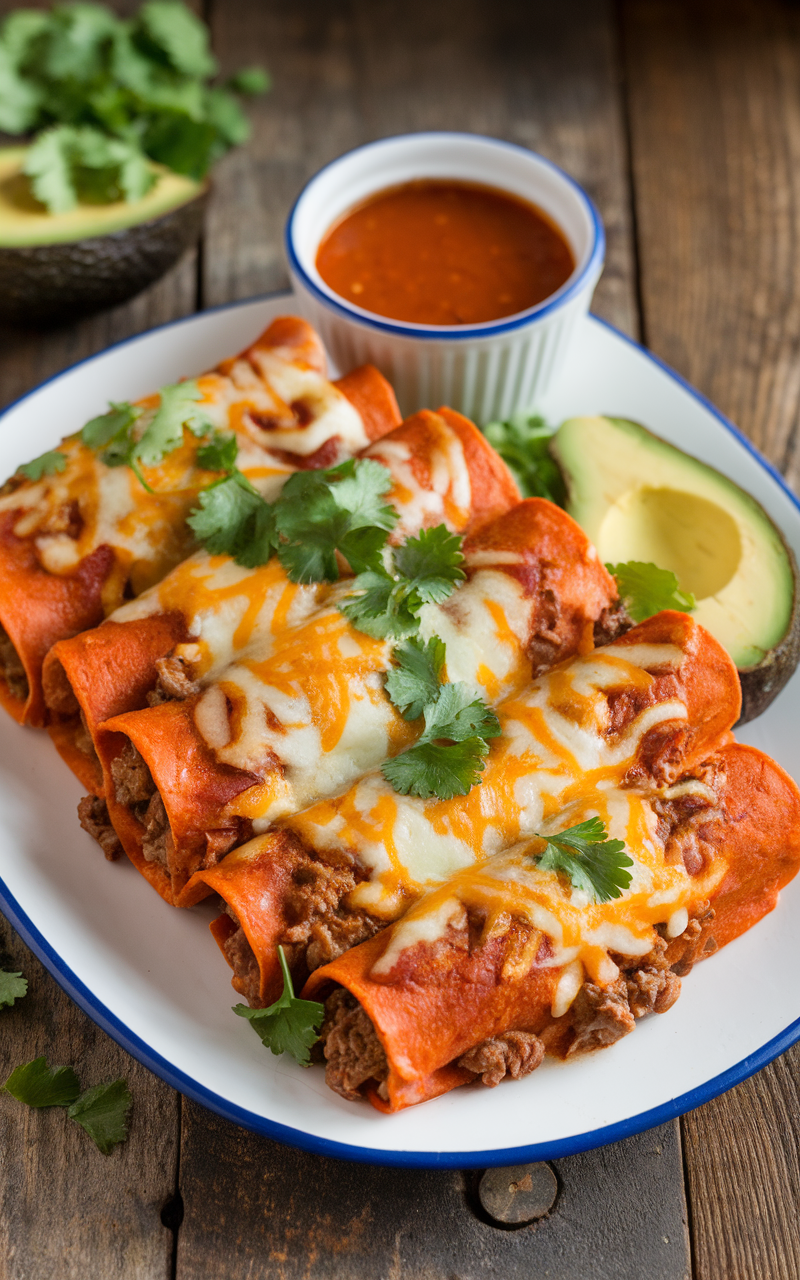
x=485, y=370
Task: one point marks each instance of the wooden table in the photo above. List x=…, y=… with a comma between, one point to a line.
x=683, y=121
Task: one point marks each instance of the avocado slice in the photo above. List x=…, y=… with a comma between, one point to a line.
x=54, y=266
x=639, y=498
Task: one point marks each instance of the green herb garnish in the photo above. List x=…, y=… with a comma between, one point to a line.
x=589, y=860
x=523, y=443
x=290, y=1025
x=645, y=589
x=106, y=96
x=414, y=682
x=12, y=987
x=425, y=569
x=47, y=464
x=449, y=757
x=113, y=432
x=317, y=514
x=220, y=453
x=101, y=1110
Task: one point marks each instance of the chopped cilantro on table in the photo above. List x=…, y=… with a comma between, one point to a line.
x=102, y=1110
x=47, y=464
x=589, y=860
x=105, y=96
x=645, y=589
x=12, y=987
x=425, y=569
x=290, y=1025
x=449, y=757
x=523, y=443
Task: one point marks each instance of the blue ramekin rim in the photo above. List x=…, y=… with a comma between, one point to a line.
x=449, y=333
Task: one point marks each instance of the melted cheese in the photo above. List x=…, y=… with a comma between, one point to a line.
x=147, y=530
x=511, y=886
x=554, y=750
x=446, y=495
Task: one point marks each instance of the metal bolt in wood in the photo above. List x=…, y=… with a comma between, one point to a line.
x=518, y=1193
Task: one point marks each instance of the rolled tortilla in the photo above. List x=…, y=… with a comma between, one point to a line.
x=74, y=545
x=507, y=961
x=638, y=712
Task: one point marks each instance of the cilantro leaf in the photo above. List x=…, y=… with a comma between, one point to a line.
x=290, y=1025
x=66, y=164
x=220, y=453
x=47, y=464
x=414, y=681
x=320, y=512
x=12, y=987
x=429, y=769
x=178, y=409
x=449, y=758
x=457, y=715
x=591, y=861
x=38, y=1085
x=99, y=432
x=645, y=589
x=432, y=560
x=176, y=31
x=523, y=442
x=103, y=1112
x=233, y=519
x=381, y=607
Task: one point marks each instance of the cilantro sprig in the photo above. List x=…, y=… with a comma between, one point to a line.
x=102, y=1110
x=106, y=96
x=523, y=442
x=589, y=860
x=645, y=589
x=47, y=464
x=113, y=433
x=12, y=987
x=449, y=757
x=413, y=683
x=386, y=602
x=290, y=1025
x=316, y=514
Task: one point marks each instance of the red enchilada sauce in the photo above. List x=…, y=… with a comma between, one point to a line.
x=444, y=252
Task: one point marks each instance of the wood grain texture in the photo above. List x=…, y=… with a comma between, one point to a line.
x=66, y=1211
x=541, y=75
x=714, y=110
x=280, y=1214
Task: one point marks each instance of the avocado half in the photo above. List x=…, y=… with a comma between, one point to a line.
x=59, y=266
x=639, y=498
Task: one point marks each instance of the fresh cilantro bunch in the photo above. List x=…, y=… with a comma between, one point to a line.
x=107, y=95
x=316, y=514
x=386, y=602
x=645, y=589
x=523, y=443
x=101, y=1110
x=449, y=757
x=590, y=861
x=290, y=1025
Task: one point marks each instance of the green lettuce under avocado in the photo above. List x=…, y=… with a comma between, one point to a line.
x=523, y=442
x=105, y=96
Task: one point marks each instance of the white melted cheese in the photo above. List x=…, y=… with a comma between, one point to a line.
x=449, y=484
x=333, y=414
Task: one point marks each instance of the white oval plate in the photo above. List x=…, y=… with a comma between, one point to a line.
x=153, y=977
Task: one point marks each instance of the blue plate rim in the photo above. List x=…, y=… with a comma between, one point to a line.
x=556, y=1149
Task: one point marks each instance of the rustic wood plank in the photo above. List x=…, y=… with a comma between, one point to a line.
x=279, y=1214
x=715, y=139
x=66, y=1211
x=543, y=76
x=546, y=78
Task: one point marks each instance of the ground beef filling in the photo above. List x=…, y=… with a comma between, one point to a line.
x=93, y=815
x=319, y=924
x=353, y=1053
x=11, y=668
x=242, y=960
x=134, y=788
x=515, y=1054
x=174, y=681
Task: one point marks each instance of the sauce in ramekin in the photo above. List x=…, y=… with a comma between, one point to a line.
x=444, y=252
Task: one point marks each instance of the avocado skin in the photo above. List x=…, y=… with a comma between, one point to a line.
x=762, y=683
x=42, y=285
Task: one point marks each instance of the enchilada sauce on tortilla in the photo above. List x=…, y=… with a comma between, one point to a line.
x=444, y=253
